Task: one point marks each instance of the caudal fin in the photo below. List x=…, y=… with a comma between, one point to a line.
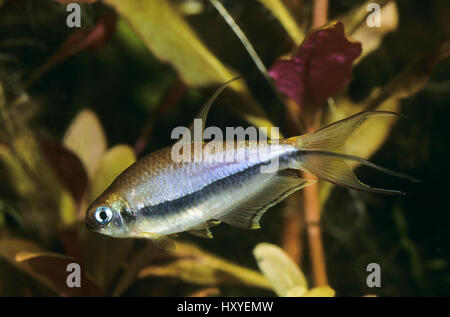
x=323, y=154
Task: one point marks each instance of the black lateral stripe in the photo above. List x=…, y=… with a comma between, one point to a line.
x=178, y=205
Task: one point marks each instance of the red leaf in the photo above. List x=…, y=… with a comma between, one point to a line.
x=321, y=67
x=81, y=39
x=67, y=167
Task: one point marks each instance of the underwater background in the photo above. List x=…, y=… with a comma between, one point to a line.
x=79, y=105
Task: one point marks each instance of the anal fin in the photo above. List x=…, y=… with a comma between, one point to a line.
x=247, y=212
x=203, y=230
x=202, y=233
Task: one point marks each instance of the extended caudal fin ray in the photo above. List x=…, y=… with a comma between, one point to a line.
x=323, y=154
x=337, y=170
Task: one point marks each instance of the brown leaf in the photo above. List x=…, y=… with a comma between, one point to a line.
x=414, y=77
x=78, y=41
x=206, y=292
x=47, y=268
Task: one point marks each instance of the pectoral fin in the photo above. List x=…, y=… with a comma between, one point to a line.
x=161, y=241
x=248, y=212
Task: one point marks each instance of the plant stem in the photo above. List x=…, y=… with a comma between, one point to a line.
x=292, y=228
x=311, y=202
x=320, y=13
x=311, y=205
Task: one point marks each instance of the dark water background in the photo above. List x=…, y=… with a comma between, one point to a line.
x=408, y=236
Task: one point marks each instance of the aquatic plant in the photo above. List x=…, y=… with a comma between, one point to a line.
x=48, y=179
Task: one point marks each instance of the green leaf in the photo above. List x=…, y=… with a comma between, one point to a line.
x=170, y=38
x=282, y=273
x=113, y=162
x=193, y=265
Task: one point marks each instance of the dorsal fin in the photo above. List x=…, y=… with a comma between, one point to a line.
x=203, y=113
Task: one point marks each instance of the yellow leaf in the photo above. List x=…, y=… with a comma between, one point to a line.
x=194, y=265
x=86, y=138
x=355, y=22
x=296, y=291
x=68, y=209
x=114, y=162
x=280, y=11
x=35, y=182
x=170, y=38
x=321, y=291
x=371, y=37
x=282, y=273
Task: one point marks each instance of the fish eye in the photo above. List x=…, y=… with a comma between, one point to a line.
x=103, y=215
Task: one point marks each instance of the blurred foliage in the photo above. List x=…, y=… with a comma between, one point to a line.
x=75, y=105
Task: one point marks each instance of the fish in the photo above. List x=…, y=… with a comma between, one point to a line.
x=158, y=197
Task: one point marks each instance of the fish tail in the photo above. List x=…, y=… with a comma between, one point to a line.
x=322, y=153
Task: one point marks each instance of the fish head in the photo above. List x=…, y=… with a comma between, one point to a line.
x=109, y=215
